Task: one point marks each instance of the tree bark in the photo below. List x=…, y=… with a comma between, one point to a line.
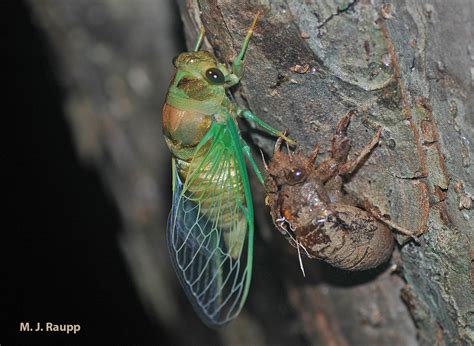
x=404, y=65
x=393, y=63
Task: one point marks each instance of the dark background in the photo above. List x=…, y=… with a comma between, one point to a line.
x=65, y=262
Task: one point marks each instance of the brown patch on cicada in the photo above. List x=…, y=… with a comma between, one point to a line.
x=195, y=88
x=309, y=206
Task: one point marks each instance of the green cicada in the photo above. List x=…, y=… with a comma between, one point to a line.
x=210, y=227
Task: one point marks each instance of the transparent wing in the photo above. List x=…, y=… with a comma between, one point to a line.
x=210, y=227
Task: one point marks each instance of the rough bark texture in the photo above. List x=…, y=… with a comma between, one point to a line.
x=404, y=65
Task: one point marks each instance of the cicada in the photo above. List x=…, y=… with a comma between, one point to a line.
x=210, y=228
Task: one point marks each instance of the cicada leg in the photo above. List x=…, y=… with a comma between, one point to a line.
x=349, y=166
x=238, y=65
x=200, y=38
x=375, y=212
x=252, y=117
x=248, y=154
x=340, y=144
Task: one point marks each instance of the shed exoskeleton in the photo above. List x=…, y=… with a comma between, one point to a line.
x=308, y=205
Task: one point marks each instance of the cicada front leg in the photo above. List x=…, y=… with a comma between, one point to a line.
x=200, y=38
x=238, y=65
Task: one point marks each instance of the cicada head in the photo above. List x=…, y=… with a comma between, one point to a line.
x=200, y=76
x=294, y=192
x=291, y=167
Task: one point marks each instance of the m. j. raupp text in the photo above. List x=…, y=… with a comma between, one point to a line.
x=49, y=327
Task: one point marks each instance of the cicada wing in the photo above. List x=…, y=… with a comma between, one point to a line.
x=210, y=228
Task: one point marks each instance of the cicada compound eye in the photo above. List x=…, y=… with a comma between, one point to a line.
x=295, y=176
x=215, y=76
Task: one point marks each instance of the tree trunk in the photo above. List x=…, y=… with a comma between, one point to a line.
x=404, y=65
